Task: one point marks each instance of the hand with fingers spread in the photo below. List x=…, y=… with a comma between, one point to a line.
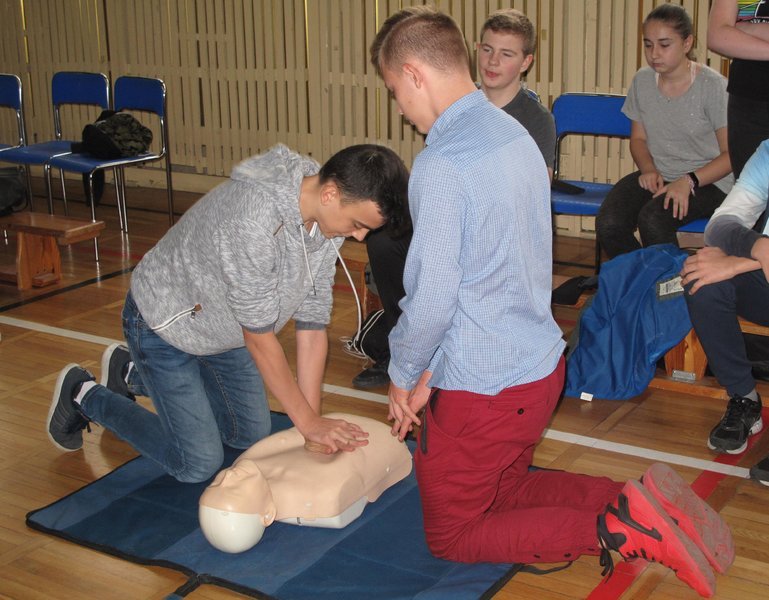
x=328, y=436
x=711, y=265
x=676, y=196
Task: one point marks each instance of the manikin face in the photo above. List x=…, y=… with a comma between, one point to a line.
x=337, y=218
x=664, y=47
x=241, y=488
x=501, y=59
x=408, y=93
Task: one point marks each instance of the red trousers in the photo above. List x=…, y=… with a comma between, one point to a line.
x=480, y=501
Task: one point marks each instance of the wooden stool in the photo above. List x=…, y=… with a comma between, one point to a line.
x=685, y=365
x=38, y=262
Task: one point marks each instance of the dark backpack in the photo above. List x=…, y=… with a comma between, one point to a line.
x=114, y=135
x=13, y=192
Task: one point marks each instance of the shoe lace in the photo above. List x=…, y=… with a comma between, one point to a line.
x=735, y=411
x=608, y=541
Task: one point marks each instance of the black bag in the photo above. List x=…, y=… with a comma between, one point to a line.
x=13, y=192
x=371, y=341
x=114, y=135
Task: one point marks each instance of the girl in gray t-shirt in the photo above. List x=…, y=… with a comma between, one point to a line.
x=677, y=140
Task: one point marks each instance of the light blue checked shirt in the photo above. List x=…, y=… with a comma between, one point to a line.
x=479, y=269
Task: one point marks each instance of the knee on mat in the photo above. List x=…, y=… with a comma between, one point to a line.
x=197, y=469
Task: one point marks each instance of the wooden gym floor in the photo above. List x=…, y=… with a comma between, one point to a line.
x=44, y=329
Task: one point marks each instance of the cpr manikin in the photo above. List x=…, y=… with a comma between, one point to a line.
x=278, y=479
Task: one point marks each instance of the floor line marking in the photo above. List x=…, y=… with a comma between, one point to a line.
x=66, y=333
x=552, y=434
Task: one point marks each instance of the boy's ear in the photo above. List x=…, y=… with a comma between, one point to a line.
x=527, y=63
x=328, y=192
x=413, y=73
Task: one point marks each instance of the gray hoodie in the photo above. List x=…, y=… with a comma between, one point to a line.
x=236, y=259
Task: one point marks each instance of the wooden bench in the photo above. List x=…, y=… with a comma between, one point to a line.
x=685, y=365
x=38, y=237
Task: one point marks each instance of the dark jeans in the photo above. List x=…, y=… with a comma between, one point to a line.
x=628, y=206
x=714, y=310
x=202, y=402
x=748, y=126
x=387, y=257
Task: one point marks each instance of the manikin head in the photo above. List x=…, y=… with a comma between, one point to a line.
x=236, y=507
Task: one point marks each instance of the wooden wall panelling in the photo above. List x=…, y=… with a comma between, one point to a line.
x=243, y=75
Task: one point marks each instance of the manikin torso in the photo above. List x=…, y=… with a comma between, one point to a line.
x=277, y=479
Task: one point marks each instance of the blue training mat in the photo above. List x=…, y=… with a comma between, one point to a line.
x=140, y=514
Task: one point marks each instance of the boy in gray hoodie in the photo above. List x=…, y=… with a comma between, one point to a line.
x=206, y=303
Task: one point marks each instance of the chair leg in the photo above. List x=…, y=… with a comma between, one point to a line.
x=63, y=192
x=120, y=183
x=49, y=193
x=28, y=177
x=120, y=215
x=91, y=199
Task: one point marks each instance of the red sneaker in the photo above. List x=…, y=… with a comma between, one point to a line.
x=694, y=516
x=638, y=527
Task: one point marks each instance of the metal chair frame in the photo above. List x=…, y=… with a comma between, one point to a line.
x=11, y=96
x=67, y=87
x=135, y=94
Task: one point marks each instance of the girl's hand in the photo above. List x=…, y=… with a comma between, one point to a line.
x=676, y=196
x=651, y=181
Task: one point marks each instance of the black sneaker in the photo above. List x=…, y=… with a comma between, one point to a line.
x=760, y=471
x=114, y=367
x=741, y=420
x=375, y=376
x=65, y=421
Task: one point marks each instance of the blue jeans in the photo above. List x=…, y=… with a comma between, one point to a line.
x=714, y=309
x=202, y=402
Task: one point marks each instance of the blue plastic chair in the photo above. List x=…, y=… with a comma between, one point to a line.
x=134, y=94
x=67, y=87
x=585, y=114
x=11, y=97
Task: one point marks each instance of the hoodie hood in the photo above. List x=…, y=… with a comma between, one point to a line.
x=279, y=172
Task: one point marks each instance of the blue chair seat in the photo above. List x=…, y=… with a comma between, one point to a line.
x=37, y=154
x=696, y=226
x=85, y=163
x=586, y=204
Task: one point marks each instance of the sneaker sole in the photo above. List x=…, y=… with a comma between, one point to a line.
x=692, y=568
x=758, y=426
x=695, y=517
x=54, y=403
